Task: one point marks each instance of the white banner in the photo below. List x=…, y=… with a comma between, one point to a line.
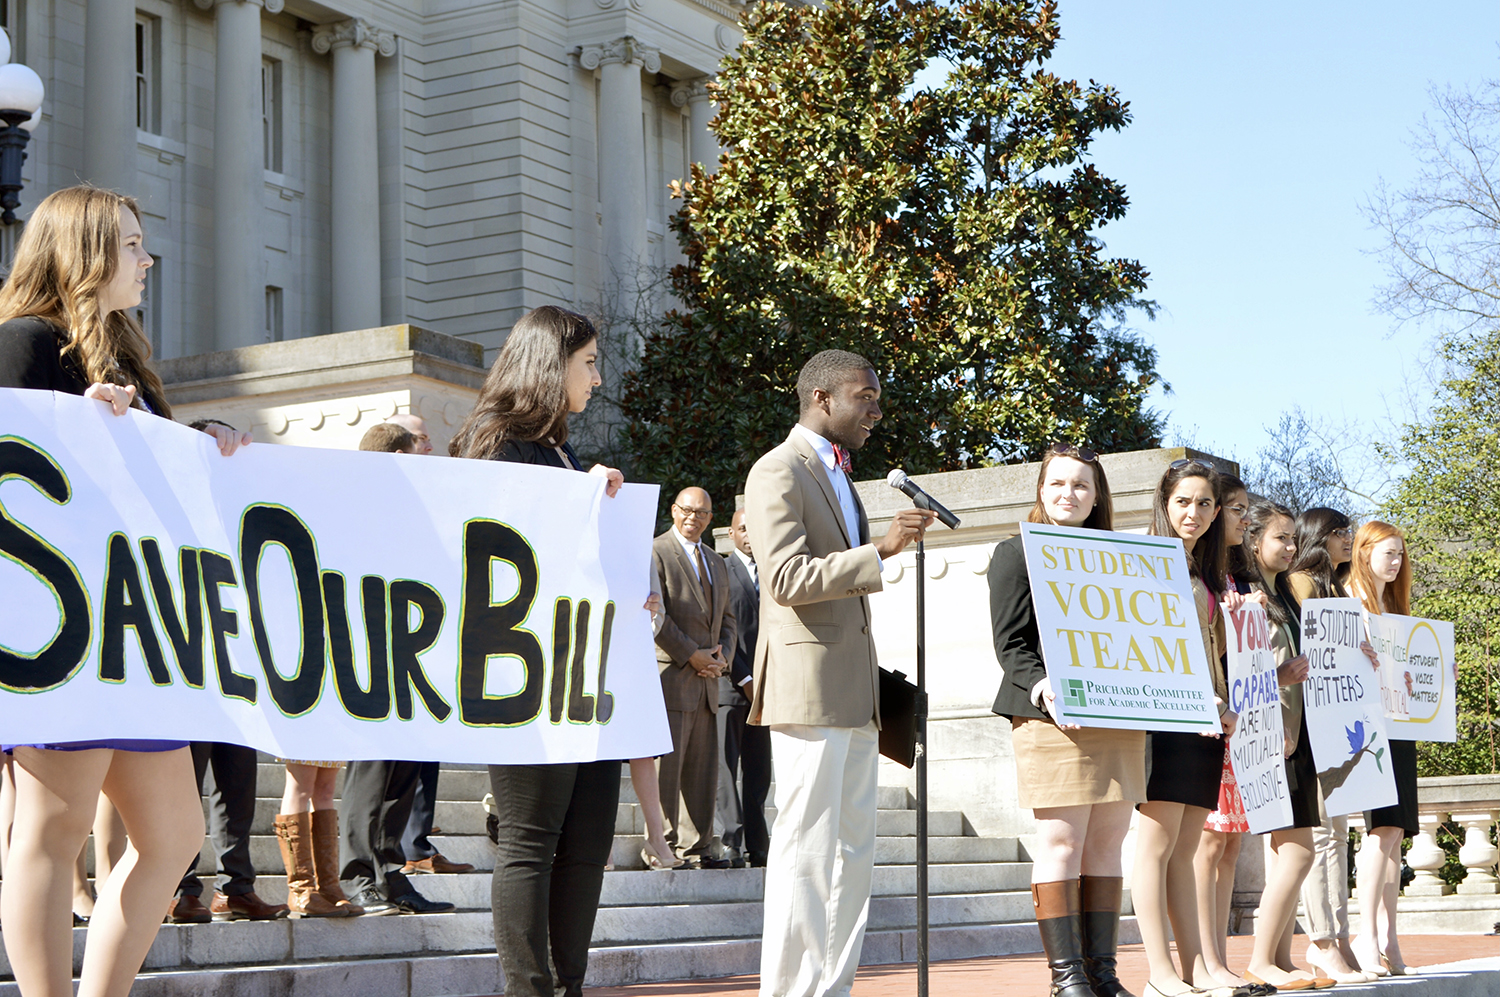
x=1257, y=747
x=1119, y=630
x=316, y=604
x=1345, y=720
x=1418, y=676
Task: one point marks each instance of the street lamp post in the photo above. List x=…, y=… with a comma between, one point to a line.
x=21, y=93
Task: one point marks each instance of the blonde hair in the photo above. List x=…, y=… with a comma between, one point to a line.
x=1397, y=596
x=68, y=253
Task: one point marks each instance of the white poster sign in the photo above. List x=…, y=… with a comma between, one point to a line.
x=1119, y=630
x=1418, y=675
x=1345, y=720
x=316, y=603
x=1257, y=747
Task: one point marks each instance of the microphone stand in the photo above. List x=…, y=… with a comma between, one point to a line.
x=922, y=925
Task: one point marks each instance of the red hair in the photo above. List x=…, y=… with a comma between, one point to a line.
x=1362, y=578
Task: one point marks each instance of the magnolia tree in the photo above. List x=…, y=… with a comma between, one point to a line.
x=944, y=228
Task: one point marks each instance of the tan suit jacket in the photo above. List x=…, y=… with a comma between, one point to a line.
x=690, y=625
x=815, y=657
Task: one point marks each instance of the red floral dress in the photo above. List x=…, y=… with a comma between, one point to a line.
x=1229, y=816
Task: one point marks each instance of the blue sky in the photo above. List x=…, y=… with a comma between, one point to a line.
x=1259, y=129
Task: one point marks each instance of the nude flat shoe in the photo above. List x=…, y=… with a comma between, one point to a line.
x=1293, y=985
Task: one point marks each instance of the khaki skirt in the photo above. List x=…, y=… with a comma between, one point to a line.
x=1072, y=768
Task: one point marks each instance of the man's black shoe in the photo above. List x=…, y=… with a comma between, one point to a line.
x=374, y=903
x=413, y=902
x=710, y=863
x=737, y=861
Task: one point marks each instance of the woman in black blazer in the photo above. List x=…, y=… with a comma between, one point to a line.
x=1081, y=783
x=556, y=822
x=65, y=327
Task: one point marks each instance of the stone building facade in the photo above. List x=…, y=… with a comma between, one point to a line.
x=308, y=168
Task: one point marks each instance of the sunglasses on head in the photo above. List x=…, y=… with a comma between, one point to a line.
x=1178, y=465
x=1073, y=450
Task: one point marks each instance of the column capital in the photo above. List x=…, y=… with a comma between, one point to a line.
x=271, y=6
x=626, y=51
x=356, y=33
x=687, y=91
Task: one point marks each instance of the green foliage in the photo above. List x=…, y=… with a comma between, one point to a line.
x=945, y=232
x=1447, y=505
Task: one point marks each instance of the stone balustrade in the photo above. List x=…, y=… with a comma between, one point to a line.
x=1473, y=803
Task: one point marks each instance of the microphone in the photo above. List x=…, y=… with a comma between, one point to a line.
x=898, y=480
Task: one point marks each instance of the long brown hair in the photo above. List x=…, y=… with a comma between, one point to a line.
x=1362, y=579
x=1209, y=554
x=1258, y=519
x=1103, y=515
x=525, y=396
x=1314, y=526
x=69, y=253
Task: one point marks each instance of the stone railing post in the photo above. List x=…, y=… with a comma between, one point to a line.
x=1426, y=858
x=1478, y=856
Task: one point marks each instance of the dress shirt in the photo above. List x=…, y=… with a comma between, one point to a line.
x=692, y=551
x=754, y=577
x=841, y=485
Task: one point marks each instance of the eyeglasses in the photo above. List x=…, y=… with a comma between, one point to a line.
x=690, y=513
x=1073, y=450
x=1343, y=534
x=1178, y=465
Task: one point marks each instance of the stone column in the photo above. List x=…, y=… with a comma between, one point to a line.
x=109, y=95
x=239, y=173
x=622, y=161
x=356, y=171
x=701, y=110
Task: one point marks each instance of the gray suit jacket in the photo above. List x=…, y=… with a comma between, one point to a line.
x=690, y=625
x=815, y=658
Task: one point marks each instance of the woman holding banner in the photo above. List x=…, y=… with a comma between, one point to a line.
x=1079, y=782
x=1186, y=769
x=65, y=326
x=556, y=822
x=1380, y=578
x=1271, y=544
x=1321, y=571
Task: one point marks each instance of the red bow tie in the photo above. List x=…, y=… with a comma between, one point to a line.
x=842, y=456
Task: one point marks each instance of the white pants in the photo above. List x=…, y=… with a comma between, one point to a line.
x=822, y=859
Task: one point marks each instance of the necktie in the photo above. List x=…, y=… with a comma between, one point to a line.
x=708, y=591
x=755, y=575
x=842, y=456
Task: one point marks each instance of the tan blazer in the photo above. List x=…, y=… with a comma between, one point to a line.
x=815, y=657
x=690, y=625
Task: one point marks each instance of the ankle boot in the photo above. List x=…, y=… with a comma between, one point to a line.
x=1061, y=923
x=1100, y=900
x=294, y=832
x=325, y=840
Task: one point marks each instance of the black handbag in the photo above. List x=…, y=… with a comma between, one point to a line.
x=898, y=718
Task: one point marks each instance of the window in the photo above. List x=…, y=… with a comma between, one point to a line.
x=273, y=314
x=13, y=21
x=148, y=314
x=270, y=111
x=147, y=73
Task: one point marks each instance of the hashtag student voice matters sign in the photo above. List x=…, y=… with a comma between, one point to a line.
x=1119, y=630
x=1417, y=676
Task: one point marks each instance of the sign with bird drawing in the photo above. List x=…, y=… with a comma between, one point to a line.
x=1345, y=716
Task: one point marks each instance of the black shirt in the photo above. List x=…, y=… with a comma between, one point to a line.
x=31, y=357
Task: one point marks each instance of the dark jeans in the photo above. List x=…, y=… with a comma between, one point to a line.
x=375, y=805
x=414, y=843
x=557, y=823
x=746, y=752
x=231, y=808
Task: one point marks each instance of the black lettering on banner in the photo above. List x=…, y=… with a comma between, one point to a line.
x=562, y=634
x=185, y=632
x=490, y=630
x=366, y=704
x=580, y=703
x=219, y=570
x=271, y=524
x=408, y=645
x=125, y=606
x=604, y=702
x=60, y=660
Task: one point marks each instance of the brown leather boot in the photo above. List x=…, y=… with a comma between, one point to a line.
x=294, y=832
x=1061, y=924
x=1101, y=896
x=325, y=838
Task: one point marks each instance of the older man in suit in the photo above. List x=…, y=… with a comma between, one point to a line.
x=690, y=654
x=816, y=684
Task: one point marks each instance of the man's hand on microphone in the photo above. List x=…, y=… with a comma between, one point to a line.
x=908, y=525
